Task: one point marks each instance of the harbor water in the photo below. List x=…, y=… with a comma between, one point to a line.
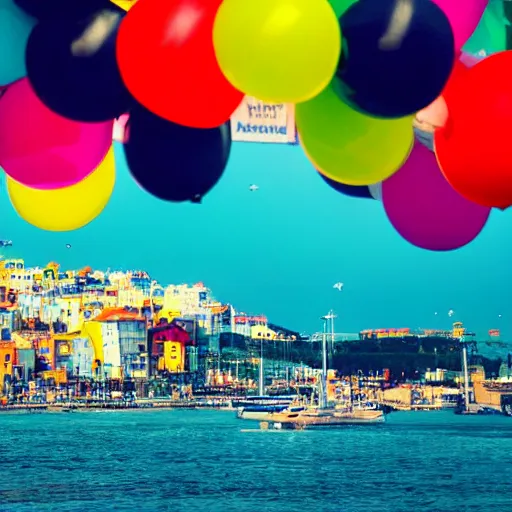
x=149, y=461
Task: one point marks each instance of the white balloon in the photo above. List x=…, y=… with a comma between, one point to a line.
x=376, y=191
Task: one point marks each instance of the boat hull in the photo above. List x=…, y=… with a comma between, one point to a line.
x=319, y=420
x=259, y=413
x=253, y=415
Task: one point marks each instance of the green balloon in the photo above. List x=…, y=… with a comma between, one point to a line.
x=491, y=34
x=348, y=146
x=340, y=6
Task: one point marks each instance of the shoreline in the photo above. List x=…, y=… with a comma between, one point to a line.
x=108, y=407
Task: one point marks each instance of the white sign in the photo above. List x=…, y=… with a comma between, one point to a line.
x=257, y=121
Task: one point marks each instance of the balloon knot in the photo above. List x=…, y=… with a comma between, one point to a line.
x=196, y=199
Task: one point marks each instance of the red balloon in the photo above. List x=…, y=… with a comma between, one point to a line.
x=167, y=61
x=459, y=74
x=473, y=148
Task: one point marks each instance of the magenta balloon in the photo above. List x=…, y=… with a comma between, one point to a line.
x=464, y=16
x=425, y=210
x=43, y=150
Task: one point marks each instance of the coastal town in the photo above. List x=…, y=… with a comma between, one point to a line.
x=87, y=338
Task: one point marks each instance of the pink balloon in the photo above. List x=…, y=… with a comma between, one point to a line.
x=464, y=16
x=43, y=150
x=425, y=210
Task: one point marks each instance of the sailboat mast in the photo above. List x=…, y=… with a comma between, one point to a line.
x=323, y=403
x=262, y=371
x=466, y=375
x=333, y=316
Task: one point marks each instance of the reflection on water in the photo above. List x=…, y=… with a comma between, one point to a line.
x=198, y=460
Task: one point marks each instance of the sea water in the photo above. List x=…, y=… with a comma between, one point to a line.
x=205, y=461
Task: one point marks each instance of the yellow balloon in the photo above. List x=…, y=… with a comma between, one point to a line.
x=348, y=146
x=124, y=4
x=277, y=50
x=65, y=209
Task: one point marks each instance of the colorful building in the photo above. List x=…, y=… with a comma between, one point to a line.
x=67, y=326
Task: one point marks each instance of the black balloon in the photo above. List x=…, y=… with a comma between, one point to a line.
x=397, y=56
x=61, y=9
x=348, y=190
x=72, y=67
x=174, y=162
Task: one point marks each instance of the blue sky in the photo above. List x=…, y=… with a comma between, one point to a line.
x=279, y=250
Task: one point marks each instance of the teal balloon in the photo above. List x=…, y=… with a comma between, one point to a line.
x=15, y=27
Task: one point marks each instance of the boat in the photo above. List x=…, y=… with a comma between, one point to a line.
x=264, y=412
x=322, y=418
x=262, y=400
x=325, y=416
x=260, y=407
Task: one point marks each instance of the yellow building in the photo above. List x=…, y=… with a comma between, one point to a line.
x=262, y=332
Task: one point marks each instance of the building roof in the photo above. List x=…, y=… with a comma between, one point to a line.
x=118, y=315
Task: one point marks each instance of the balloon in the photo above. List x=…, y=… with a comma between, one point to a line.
x=463, y=19
x=61, y=9
x=425, y=210
x=126, y=5
x=119, y=134
x=69, y=208
x=424, y=137
x=174, y=162
x=436, y=114
x=72, y=67
x=348, y=190
x=433, y=116
x=350, y=147
x=490, y=35
x=41, y=149
x=473, y=149
x=376, y=191
x=458, y=76
x=166, y=57
x=393, y=67
x=15, y=27
x=340, y=6
x=277, y=50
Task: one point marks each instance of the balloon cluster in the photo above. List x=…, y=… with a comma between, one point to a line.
x=359, y=72
x=403, y=59
x=72, y=67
